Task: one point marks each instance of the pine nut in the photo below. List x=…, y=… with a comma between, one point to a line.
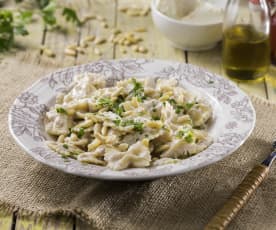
x=141, y=30
x=99, y=41
x=70, y=52
x=104, y=25
x=142, y=49
x=49, y=52
x=90, y=38
x=97, y=51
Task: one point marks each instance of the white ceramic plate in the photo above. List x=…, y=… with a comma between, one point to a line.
x=233, y=120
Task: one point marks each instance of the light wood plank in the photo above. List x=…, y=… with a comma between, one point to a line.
x=27, y=46
x=44, y=223
x=255, y=88
x=158, y=46
x=271, y=84
x=210, y=59
x=58, y=40
x=102, y=8
x=5, y=220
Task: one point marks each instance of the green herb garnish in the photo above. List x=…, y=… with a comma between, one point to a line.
x=113, y=106
x=71, y=15
x=137, y=125
x=61, y=110
x=13, y=22
x=179, y=109
x=106, y=102
x=187, y=134
x=155, y=118
x=80, y=133
x=138, y=90
x=65, y=146
x=117, y=122
x=117, y=108
x=188, y=106
x=172, y=101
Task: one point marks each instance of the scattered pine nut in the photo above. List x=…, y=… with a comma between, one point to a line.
x=145, y=12
x=83, y=44
x=72, y=47
x=141, y=30
x=100, y=18
x=99, y=41
x=135, y=48
x=97, y=51
x=111, y=38
x=127, y=43
x=80, y=50
x=142, y=49
x=123, y=9
x=70, y=52
x=104, y=25
x=88, y=17
x=90, y=38
x=49, y=52
x=116, y=31
x=133, y=13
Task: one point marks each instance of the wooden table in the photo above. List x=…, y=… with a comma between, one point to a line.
x=158, y=46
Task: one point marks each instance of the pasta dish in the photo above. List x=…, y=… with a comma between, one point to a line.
x=137, y=122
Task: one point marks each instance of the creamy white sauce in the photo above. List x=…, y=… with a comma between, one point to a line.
x=200, y=12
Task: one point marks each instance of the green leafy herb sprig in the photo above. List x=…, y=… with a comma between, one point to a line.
x=138, y=90
x=115, y=106
x=14, y=22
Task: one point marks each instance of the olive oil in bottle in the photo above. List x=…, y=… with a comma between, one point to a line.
x=246, y=52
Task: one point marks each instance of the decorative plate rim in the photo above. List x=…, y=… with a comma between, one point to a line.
x=123, y=68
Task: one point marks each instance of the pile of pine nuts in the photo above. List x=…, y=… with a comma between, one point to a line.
x=117, y=37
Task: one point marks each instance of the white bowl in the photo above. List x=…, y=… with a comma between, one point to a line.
x=186, y=35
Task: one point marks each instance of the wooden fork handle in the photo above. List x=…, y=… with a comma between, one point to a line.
x=238, y=199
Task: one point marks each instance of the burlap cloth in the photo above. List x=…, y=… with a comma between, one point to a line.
x=181, y=202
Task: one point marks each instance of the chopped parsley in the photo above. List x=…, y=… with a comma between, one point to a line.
x=172, y=102
x=137, y=125
x=187, y=134
x=138, y=90
x=179, y=109
x=117, y=108
x=188, y=105
x=155, y=118
x=105, y=102
x=70, y=131
x=113, y=106
x=117, y=122
x=80, y=133
x=65, y=146
x=61, y=110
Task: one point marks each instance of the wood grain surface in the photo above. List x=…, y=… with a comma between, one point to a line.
x=28, y=50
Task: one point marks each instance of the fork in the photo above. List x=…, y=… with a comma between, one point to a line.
x=242, y=194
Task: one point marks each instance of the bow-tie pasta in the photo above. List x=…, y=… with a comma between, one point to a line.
x=135, y=123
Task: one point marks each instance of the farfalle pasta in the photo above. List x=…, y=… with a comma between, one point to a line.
x=138, y=122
